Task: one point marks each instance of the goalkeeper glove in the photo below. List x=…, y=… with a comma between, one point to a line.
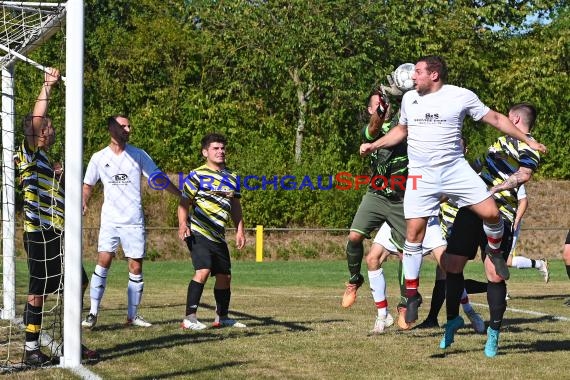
x=383, y=104
x=393, y=89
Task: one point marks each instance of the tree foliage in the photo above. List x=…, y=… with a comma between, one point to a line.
x=288, y=81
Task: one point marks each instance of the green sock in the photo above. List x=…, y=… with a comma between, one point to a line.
x=401, y=280
x=354, y=255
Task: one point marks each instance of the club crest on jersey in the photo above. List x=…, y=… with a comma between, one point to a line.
x=429, y=118
x=432, y=116
x=120, y=179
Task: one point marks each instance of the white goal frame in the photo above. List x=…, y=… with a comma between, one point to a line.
x=74, y=19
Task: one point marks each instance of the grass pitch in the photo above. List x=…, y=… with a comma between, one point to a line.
x=297, y=329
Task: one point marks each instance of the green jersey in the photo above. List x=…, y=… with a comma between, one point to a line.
x=389, y=167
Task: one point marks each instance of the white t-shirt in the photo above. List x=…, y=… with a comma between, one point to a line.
x=521, y=193
x=434, y=123
x=121, y=177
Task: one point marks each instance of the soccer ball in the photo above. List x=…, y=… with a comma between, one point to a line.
x=402, y=76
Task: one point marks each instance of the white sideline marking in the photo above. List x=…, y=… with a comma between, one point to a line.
x=530, y=312
x=84, y=373
x=521, y=311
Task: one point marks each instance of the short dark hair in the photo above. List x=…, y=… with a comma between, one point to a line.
x=527, y=112
x=112, y=120
x=212, y=138
x=376, y=91
x=437, y=64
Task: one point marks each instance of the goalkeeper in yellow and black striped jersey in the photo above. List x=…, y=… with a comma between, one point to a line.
x=42, y=185
x=507, y=164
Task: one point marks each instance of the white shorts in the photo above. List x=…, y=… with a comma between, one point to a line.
x=426, y=185
x=432, y=240
x=131, y=238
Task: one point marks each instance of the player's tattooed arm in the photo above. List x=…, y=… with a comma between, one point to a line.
x=516, y=179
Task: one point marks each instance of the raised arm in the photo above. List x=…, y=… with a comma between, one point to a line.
x=51, y=77
x=376, y=121
x=503, y=124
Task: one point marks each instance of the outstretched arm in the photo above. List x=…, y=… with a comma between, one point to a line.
x=516, y=179
x=503, y=124
x=395, y=136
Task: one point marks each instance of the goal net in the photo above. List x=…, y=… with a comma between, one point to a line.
x=32, y=186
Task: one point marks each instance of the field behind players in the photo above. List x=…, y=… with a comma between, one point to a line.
x=297, y=329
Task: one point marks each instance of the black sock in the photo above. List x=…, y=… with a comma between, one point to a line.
x=222, y=297
x=354, y=255
x=454, y=289
x=193, y=296
x=496, y=292
x=475, y=287
x=33, y=322
x=533, y=263
x=437, y=299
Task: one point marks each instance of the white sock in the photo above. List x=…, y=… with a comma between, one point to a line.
x=412, y=260
x=494, y=233
x=522, y=262
x=97, y=288
x=539, y=264
x=134, y=294
x=32, y=345
x=378, y=288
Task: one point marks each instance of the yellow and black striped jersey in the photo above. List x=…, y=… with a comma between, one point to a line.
x=503, y=159
x=447, y=213
x=211, y=193
x=42, y=191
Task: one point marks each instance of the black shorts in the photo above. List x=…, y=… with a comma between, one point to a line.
x=467, y=236
x=208, y=254
x=44, y=261
x=568, y=238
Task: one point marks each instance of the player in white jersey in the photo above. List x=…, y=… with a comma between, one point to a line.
x=431, y=119
x=120, y=167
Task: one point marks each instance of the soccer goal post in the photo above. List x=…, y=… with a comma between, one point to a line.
x=26, y=25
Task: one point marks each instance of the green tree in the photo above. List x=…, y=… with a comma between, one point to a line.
x=287, y=81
